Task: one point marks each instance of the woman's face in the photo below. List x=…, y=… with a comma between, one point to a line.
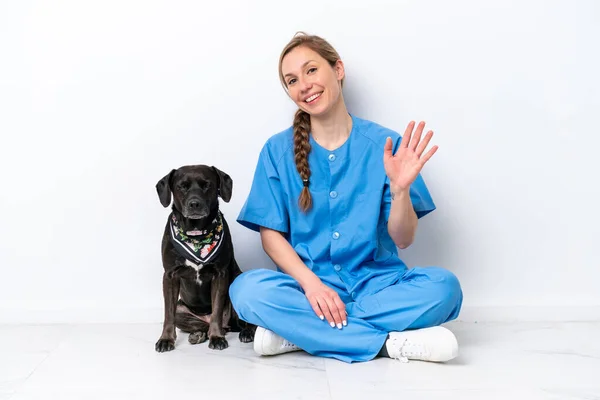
x=311, y=81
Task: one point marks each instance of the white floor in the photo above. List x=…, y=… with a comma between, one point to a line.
x=497, y=361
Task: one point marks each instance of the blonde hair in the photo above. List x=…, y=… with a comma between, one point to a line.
x=301, y=118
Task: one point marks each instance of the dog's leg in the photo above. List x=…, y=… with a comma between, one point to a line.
x=216, y=333
x=246, y=330
x=170, y=295
x=247, y=333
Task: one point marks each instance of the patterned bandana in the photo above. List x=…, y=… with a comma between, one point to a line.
x=199, y=248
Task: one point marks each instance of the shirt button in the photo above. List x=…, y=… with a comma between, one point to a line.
x=333, y=194
x=335, y=235
x=331, y=157
x=353, y=295
x=337, y=267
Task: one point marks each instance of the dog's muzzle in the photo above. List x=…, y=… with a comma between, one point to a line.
x=195, y=209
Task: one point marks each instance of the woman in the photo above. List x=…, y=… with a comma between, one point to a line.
x=333, y=197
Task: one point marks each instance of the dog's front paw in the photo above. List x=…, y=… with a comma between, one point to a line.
x=218, y=343
x=197, y=337
x=164, y=345
x=246, y=335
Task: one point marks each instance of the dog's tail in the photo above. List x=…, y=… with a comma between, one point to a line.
x=190, y=324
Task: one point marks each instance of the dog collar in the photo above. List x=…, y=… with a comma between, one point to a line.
x=198, y=248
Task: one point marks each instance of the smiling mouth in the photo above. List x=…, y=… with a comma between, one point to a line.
x=313, y=98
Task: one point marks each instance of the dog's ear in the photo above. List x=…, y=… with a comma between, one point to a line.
x=225, y=185
x=163, y=188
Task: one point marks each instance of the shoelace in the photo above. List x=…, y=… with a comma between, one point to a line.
x=407, y=349
x=288, y=344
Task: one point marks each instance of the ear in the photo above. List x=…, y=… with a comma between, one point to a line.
x=225, y=185
x=163, y=188
x=340, y=70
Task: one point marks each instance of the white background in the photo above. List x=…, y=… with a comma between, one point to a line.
x=99, y=100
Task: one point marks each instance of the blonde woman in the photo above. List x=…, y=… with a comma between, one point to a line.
x=333, y=197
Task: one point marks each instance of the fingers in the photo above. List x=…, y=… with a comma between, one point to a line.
x=428, y=155
x=327, y=311
x=335, y=313
x=342, y=309
x=387, y=149
x=407, y=134
x=331, y=308
x=331, y=313
x=423, y=145
x=413, y=142
x=315, y=306
x=327, y=304
x=415, y=139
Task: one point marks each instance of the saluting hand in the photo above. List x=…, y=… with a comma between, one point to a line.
x=403, y=167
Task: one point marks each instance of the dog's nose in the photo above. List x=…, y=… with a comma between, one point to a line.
x=194, y=204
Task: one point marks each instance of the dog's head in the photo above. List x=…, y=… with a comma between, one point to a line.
x=195, y=189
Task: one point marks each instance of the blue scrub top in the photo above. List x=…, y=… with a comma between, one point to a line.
x=343, y=238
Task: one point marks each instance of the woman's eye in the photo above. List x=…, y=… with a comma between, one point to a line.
x=291, y=81
x=313, y=69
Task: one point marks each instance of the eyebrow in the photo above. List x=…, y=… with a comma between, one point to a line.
x=303, y=65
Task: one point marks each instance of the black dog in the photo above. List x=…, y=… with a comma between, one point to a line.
x=198, y=260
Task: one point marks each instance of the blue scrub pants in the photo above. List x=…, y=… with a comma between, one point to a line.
x=421, y=298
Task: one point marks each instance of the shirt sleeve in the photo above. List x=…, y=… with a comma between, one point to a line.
x=266, y=202
x=419, y=193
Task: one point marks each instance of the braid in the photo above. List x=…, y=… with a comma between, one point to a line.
x=301, y=151
x=301, y=118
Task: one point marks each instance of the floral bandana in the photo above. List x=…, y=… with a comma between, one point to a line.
x=199, y=248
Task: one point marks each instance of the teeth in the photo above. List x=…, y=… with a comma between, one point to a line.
x=311, y=98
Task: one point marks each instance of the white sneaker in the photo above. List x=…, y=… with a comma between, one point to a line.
x=267, y=343
x=435, y=344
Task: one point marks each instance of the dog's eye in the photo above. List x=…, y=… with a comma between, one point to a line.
x=205, y=185
x=184, y=185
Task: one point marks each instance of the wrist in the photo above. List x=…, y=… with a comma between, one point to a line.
x=308, y=280
x=398, y=191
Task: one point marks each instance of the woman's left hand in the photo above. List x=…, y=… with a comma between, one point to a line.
x=403, y=167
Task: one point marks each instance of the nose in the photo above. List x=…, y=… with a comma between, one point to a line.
x=194, y=204
x=305, y=85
